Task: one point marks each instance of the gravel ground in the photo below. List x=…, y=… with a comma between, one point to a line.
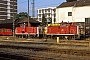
x=45, y=55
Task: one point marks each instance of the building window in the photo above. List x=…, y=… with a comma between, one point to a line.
x=42, y=10
x=48, y=10
x=39, y=15
x=39, y=11
x=40, y=19
x=45, y=10
x=49, y=14
x=54, y=10
x=69, y=13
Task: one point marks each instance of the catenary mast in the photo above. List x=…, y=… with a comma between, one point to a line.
x=33, y=8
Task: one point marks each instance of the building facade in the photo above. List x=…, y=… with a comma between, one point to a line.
x=76, y=11
x=49, y=12
x=8, y=8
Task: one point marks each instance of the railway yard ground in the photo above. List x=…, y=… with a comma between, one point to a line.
x=43, y=49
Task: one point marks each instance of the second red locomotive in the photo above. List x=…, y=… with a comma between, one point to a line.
x=64, y=31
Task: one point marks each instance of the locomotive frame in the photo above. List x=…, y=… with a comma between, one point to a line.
x=40, y=31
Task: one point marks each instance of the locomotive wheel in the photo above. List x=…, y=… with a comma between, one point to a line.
x=62, y=37
x=73, y=38
x=31, y=36
x=49, y=37
x=70, y=37
x=55, y=37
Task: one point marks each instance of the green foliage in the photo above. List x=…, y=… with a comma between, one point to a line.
x=21, y=15
x=44, y=20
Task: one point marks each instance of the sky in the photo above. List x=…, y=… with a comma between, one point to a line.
x=23, y=4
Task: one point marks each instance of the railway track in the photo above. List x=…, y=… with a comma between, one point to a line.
x=63, y=43
x=81, y=51
x=9, y=56
x=45, y=56
x=78, y=48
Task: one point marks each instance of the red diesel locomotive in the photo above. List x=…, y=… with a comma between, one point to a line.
x=24, y=30
x=5, y=31
x=64, y=31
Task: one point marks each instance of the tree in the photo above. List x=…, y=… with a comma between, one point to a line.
x=44, y=23
x=21, y=15
x=44, y=20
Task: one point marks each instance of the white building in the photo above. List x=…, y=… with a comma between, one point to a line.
x=50, y=13
x=76, y=11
